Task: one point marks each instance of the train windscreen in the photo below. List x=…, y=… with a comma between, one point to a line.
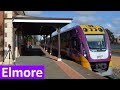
x=96, y=42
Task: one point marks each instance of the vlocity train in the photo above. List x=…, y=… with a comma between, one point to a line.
x=89, y=45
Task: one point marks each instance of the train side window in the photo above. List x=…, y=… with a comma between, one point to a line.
x=72, y=42
x=75, y=43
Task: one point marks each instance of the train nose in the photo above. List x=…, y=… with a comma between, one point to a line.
x=99, y=67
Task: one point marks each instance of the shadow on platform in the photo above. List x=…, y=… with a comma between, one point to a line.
x=32, y=52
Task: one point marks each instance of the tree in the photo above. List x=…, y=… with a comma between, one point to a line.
x=111, y=36
x=28, y=39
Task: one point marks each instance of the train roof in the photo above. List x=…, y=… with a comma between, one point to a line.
x=65, y=30
x=85, y=26
x=92, y=29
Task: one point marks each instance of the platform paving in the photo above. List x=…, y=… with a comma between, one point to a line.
x=65, y=69
x=52, y=70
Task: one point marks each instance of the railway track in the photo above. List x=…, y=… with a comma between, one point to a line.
x=108, y=77
x=112, y=77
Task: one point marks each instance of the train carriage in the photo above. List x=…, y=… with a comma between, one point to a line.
x=88, y=44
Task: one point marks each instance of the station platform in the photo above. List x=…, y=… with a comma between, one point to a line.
x=65, y=69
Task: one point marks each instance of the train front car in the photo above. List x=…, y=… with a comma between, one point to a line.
x=95, y=54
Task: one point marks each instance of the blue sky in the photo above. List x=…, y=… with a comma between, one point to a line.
x=107, y=19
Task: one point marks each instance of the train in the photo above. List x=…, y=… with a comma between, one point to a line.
x=89, y=45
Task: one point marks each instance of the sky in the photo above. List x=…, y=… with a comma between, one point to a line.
x=106, y=19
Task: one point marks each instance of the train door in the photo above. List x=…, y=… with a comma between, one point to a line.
x=75, y=47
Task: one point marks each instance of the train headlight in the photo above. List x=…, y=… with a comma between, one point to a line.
x=100, y=29
x=85, y=29
x=91, y=29
x=85, y=55
x=95, y=29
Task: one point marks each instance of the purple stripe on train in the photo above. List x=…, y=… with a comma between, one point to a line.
x=83, y=39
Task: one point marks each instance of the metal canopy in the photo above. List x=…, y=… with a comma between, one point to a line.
x=39, y=25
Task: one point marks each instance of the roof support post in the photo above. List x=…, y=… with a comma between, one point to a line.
x=50, y=44
x=16, y=44
x=44, y=41
x=13, y=45
x=59, y=42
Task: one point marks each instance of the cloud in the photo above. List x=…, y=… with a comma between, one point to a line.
x=33, y=13
x=116, y=26
x=108, y=25
x=87, y=19
x=116, y=31
x=113, y=28
x=85, y=12
x=116, y=21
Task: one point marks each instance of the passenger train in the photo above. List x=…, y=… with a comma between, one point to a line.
x=89, y=45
